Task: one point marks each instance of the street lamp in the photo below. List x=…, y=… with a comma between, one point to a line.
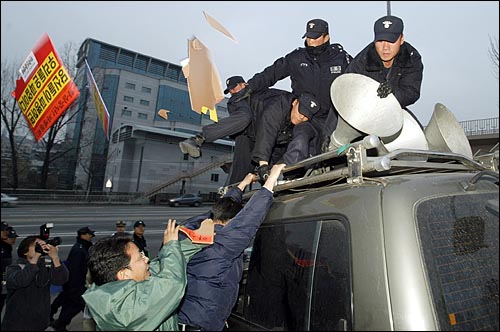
x=109, y=186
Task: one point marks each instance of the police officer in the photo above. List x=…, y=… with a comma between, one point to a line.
x=138, y=237
x=311, y=69
x=391, y=61
x=71, y=296
x=283, y=132
x=120, y=229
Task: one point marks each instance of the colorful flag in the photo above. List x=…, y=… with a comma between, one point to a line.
x=100, y=107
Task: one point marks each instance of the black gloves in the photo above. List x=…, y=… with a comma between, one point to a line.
x=384, y=89
x=263, y=173
x=240, y=95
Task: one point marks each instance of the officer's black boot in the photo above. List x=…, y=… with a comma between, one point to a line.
x=192, y=145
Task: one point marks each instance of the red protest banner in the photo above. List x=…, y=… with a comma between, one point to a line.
x=45, y=89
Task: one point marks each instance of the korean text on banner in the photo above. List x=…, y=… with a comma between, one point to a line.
x=45, y=90
x=100, y=107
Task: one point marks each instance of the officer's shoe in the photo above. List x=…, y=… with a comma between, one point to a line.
x=192, y=146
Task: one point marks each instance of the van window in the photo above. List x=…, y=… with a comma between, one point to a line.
x=299, y=277
x=460, y=243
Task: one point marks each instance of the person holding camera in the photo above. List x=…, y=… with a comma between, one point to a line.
x=27, y=307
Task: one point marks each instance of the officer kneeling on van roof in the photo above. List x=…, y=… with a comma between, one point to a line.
x=284, y=133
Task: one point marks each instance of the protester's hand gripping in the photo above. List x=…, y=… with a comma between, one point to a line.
x=249, y=178
x=274, y=174
x=384, y=89
x=263, y=173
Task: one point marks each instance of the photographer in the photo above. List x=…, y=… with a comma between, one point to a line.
x=28, y=286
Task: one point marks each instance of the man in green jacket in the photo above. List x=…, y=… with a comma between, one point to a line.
x=129, y=294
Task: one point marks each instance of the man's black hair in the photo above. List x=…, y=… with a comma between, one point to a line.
x=225, y=209
x=24, y=246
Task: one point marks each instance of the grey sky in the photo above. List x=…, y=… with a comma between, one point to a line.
x=451, y=36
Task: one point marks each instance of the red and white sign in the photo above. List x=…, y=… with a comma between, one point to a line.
x=45, y=89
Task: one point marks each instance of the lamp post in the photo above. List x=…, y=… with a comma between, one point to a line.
x=109, y=186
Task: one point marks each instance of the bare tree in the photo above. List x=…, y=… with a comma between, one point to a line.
x=11, y=116
x=493, y=53
x=11, y=120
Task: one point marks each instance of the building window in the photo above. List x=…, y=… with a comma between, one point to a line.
x=214, y=178
x=126, y=113
x=130, y=86
x=128, y=99
x=144, y=102
x=142, y=116
x=146, y=89
x=186, y=156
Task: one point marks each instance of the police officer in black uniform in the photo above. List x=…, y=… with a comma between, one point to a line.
x=277, y=141
x=71, y=297
x=138, y=237
x=391, y=61
x=311, y=69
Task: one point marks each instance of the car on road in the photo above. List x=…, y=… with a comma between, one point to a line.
x=8, y=201
x=186, y=199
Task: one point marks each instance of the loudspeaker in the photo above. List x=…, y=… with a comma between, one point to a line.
x=445, y=134
x=361, y=111
x=411, y=136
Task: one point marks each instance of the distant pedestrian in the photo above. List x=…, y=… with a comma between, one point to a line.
x=138, y=237
x=28, y=286
x=72, y=301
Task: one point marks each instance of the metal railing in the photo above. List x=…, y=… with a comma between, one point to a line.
x=480, y=126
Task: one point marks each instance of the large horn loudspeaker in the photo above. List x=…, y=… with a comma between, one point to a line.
x=361, y=111
x=445, y=134
x=411, y=136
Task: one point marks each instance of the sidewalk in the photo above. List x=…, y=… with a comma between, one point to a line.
x=76, y=323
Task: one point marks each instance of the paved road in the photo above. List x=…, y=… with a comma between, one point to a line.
x=67, y=219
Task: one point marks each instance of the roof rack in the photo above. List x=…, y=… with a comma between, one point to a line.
x=352, y=163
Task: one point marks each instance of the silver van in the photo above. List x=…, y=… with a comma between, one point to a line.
x=406, y=241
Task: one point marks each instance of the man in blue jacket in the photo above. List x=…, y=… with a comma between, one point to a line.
x=215, y=272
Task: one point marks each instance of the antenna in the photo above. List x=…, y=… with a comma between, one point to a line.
x=388, y=8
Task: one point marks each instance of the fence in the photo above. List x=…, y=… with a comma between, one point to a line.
x=480, y=126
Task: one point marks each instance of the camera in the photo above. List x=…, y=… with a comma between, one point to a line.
x=44, y=235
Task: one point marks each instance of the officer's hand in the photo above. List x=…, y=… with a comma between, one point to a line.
x=263, y=173
x=384, y=89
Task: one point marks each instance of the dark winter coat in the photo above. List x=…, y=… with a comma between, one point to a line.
x=28, y=294
x=405, y=75
x=311, y=70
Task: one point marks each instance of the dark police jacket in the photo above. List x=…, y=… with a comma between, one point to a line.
x=214, y=273
x=273, y=126
x=76, y=262
x=140, y=242
x=405, y=76
x=311, y=70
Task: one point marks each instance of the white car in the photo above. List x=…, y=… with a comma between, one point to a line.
x=8, y=200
